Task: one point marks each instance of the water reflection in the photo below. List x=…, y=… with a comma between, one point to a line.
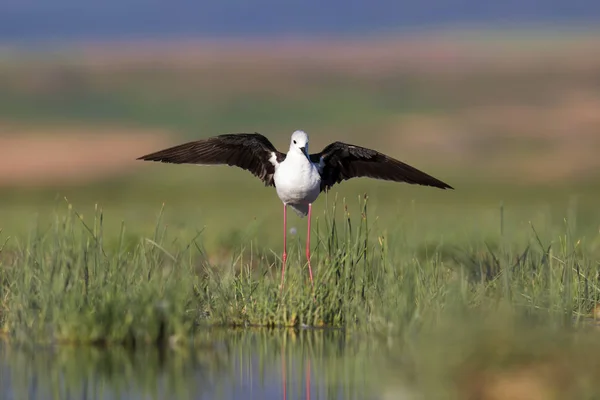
x=219, y=364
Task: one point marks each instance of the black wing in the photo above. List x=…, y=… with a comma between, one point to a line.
x=341, y=161
x=250, y=151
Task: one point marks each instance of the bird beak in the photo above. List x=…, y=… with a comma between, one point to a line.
x=304, y=151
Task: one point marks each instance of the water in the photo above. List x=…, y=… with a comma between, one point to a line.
x=36, y=21
x=220, y=364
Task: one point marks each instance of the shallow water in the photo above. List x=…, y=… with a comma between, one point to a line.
x=220, y=364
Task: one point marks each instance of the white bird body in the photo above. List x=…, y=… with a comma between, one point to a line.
x=297, y=179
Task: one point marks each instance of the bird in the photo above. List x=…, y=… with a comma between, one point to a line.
x=298, y=176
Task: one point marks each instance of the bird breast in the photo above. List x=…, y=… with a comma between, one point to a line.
x=297, y=180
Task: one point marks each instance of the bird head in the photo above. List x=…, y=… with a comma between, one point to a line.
x=299, y=142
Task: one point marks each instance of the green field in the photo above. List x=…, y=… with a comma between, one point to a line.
x=457, y=284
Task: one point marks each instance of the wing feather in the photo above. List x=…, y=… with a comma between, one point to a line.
x=249, y=151
x=341, y=161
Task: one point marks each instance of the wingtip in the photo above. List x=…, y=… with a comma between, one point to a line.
x=441, y=185
x=147, y=157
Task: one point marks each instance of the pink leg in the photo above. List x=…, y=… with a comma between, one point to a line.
x=284, y=256
x=308, y=245
x=308, y=379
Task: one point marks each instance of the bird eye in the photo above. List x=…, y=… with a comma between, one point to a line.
x=294, y=142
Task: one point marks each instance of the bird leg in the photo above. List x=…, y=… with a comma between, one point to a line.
x=284, y=256
x=308, y=245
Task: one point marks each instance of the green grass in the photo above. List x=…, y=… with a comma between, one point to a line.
x=70, y=281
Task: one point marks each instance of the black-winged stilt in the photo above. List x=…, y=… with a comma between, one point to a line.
x=298, y=177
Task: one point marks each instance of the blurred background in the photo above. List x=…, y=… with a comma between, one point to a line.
x=499, y=99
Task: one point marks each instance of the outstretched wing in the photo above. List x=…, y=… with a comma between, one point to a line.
x=341, y=161
x=250, y=151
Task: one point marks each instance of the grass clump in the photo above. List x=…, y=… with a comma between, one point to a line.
x=62, y=284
